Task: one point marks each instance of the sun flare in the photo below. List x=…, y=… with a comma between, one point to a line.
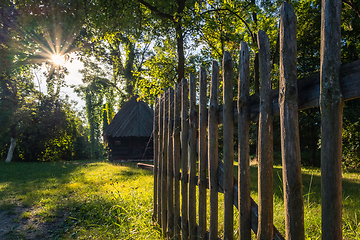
x=58, y=59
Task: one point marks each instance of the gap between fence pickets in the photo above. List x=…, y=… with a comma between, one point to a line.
x=254, y=206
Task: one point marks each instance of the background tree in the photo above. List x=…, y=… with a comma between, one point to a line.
x=30, y=33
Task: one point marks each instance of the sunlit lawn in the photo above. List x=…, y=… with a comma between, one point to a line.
x=96, y=200
x=100, y=200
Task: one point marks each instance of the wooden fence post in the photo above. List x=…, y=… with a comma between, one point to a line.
x=228, y=124
x=156, y=157
x=176, y=151
x=202, y=153
x=192, y=159
x=184, y=160
x=331, y=105
x=243, y=144
x=170, y=167
x=213, y=156
x=290, y=143
x=161, y=157
x=265, y=142
x=164, y=202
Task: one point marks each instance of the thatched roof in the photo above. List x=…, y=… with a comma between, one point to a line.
x=134, y=119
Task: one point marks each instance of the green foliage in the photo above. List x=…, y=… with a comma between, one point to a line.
x=51, y=133
x=351, y=134
x=43, y=125
x=96, y=86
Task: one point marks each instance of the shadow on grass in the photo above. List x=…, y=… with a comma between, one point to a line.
x=77, y=199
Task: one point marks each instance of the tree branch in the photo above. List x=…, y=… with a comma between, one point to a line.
x=156, y=10
x=236, y=15
x=353, y=6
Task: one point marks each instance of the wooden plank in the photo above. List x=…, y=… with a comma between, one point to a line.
x=309, y=91
x=228, y=150
x=192, y=159
x=213, y=145
x=145, y=166
x=184, y=160
x=331, y=120
x=265, y=142
x=243, y=106
x=161, y=156
x=170, y=167
x=156, y=157
x=164, y=190
x=202, y=153
x=289, y=126
x=176, y=151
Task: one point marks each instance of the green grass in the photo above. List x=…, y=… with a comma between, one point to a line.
x=96, y=200
x=100, y=200
x=311, y=179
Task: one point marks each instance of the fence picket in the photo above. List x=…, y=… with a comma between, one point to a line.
x=331, y=106
x=170, y=167
x=243, y=145
x=164, y=202
x=202, y=153
x=265, y=142
x=213, y=145
x=192, y=158
x=161, y=159
x=176, y=151
x=184, y=160
x=228, y=146
x=156, y=158
x=289, y=126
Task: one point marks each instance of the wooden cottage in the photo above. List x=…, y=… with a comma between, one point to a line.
x=129, y=135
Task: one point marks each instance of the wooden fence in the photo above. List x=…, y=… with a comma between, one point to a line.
x=186, y=134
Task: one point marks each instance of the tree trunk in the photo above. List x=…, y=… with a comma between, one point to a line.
x=11, y=150
x=180, y=51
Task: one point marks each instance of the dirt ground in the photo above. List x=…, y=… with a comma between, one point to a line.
x=14, y=226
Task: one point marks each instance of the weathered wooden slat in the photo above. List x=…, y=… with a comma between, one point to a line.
x=331, y=120
x=202, y=153
x=164, y=190
x=156, y=158
x=265, y=142
x=161, y=154
x=192, y=158
x=145, y=166
x=170, y=167
x=309, y=91
x=184, y=160
x=228, y=150
x=213, y=145
x=176, y=151
x=289, y=126
x=243, y=143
